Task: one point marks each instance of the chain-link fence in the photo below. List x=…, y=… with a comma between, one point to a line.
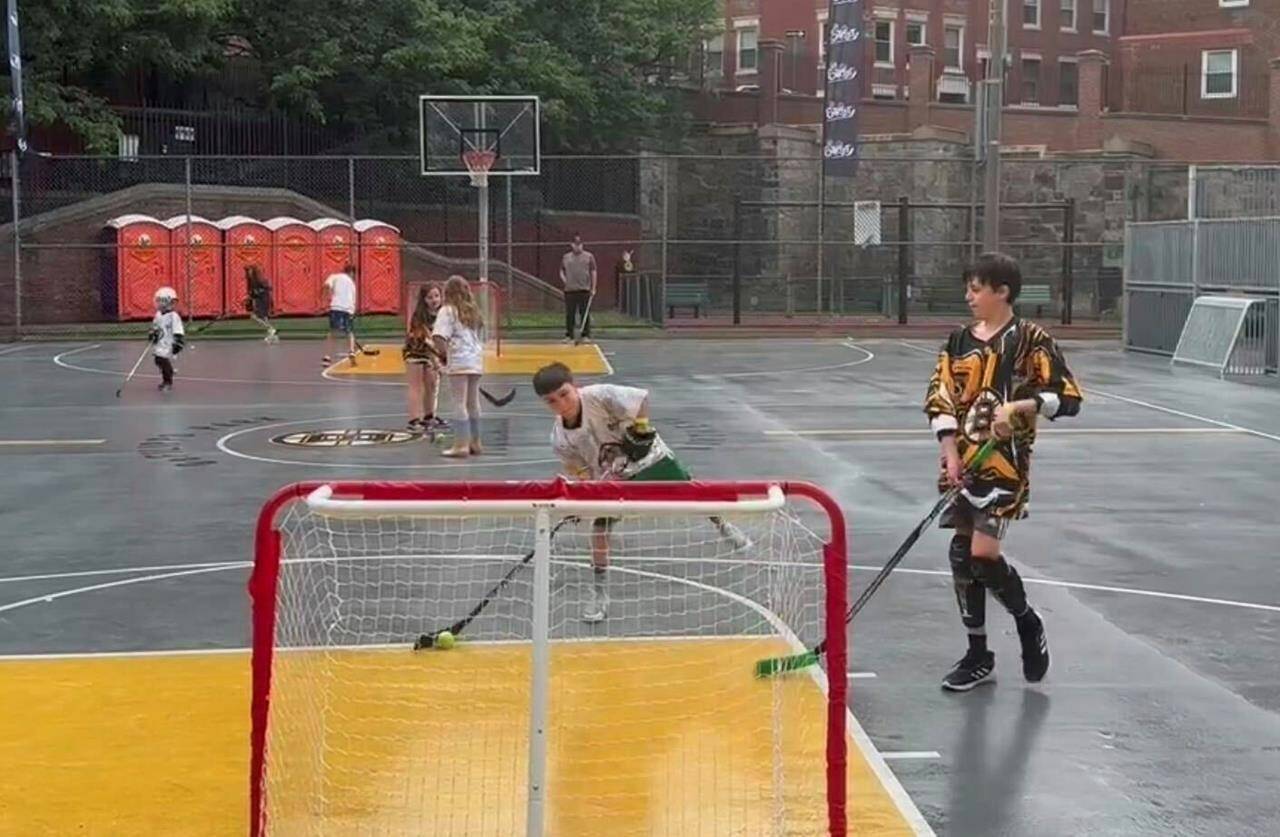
x=737, y=236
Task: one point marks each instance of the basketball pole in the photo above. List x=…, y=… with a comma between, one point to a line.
x=484, y=228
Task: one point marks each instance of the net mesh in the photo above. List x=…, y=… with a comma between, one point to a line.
x=655, y=716
x=478, y=162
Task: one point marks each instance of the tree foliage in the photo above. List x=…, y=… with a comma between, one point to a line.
x=364, y=62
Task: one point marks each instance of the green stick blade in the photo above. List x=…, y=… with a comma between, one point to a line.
x=780, y=665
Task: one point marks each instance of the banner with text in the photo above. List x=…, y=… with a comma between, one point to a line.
x=844, y=50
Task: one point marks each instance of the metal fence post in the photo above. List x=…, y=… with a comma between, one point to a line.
x=822, y=227
x=737, y=261
x=511, y=258
x=351, y=192
x=187, y=243
x=666, y=201
x=14, y=160
x=904, y=233
x=1068, y=249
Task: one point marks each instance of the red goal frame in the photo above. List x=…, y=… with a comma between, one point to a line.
x=264, y=579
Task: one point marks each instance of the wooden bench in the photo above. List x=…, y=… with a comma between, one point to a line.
x=687, y=295
x=1037, y=295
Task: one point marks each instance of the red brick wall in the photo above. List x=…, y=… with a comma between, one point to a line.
x=1194, y=139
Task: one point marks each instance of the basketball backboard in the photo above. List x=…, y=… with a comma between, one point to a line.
x=507, y=125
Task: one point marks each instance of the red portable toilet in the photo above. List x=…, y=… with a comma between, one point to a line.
x=294, y=283
x=379, y=267
x=198, y=280
x=245, y=242
x=336, y=248
x=135, y=268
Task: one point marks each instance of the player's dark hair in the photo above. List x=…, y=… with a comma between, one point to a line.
x=550, y=378
x=349, y=268
x=996, y=271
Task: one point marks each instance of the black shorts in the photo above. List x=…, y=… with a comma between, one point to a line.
x=341, y=321
x=262, y=306
x=964, y=515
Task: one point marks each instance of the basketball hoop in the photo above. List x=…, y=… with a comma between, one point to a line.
x=478, y=162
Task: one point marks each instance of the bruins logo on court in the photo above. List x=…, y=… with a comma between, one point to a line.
x=354, y=438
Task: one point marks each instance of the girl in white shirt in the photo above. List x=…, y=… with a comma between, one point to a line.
x=457, y=337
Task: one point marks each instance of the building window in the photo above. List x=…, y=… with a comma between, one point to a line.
x=953, y=47
x=916, y=34
x=1068, y=83
x=747, y=36
x=1101, y=16
x=1233, y=4
x=1068, y=13
x=884, y=42
x=713, y=57
x=1031, y=81
x=884, y=91
x=1218, y=74
x=1031, y=14
x=825, y=28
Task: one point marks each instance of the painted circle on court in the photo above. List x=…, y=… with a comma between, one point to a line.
x=358, y=437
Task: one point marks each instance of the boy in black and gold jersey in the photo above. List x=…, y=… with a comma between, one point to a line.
x=994, y=376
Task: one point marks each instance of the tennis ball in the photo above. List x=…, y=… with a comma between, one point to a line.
x=445, y=640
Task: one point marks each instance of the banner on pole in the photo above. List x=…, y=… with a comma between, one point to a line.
x=845, y=41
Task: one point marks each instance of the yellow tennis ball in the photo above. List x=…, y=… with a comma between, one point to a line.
x=445, y=640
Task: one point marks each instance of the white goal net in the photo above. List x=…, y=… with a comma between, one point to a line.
x=545, y=716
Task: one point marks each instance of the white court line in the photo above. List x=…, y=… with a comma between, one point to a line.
x=1070, y=431
x=223, y=445
x=59, y=360
x=14, y=443
x=903, y=755
x=862, y=675
x=1149, y=405
x=847, y=343
x=12, y=350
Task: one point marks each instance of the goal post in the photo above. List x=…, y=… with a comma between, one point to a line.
x=536, y=722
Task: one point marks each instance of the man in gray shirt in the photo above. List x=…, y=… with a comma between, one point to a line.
x=578, y=273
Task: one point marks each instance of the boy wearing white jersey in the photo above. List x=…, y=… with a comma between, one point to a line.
x=342, y=311
x=167, y=335
x=602, y=432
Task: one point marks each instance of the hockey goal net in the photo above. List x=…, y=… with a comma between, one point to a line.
x=488, y=295
x=536, y=721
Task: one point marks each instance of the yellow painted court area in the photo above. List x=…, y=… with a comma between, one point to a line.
x=645, y=737
x=516, y=359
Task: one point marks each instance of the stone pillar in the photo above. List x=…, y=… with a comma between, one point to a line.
x=919, y=85
x=769, y=54
x=1093, y=98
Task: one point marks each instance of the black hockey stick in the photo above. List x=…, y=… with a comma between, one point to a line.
x=498, y=400
x=202, y=329
x=429, y=640
x=134, y=370
x=778, y=665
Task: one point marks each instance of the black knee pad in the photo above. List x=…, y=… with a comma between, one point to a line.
x=959, y=555
x=971, y=595
x=1004, y=583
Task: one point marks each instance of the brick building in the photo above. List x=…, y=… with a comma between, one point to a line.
x=1164, y=76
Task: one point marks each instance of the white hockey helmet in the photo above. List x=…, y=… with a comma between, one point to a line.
x=166, y=297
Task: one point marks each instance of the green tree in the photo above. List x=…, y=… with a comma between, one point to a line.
x=364, y=62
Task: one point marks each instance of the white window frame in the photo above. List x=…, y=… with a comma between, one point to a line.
x=1023, y=58
x=1075, y=62
x=1093, y=10
x=1075, y=16
x=884, y=92
x=920, y=19
x=709, y=70
x=1204, y=73
x=1233, y=4
x=893, y=36
x=959, y=66
x=1039, y=13
x=739, y=24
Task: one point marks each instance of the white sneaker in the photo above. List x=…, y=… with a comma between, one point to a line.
x=733, y=535
x=272, y=337
x=596, y=608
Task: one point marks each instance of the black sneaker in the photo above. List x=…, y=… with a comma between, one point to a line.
x=1035, y=648
x=976, y=668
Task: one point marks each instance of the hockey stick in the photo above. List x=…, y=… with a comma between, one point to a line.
x=134, y=370
x=581, y=324
x=202, y=329
x=778, y=665
x=498, y=400
x=429, y=640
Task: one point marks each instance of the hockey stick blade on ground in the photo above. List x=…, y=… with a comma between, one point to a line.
x=429, y=640
x=581, y=325
x=794, y=662
x=134, y=370
x=498, y=400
